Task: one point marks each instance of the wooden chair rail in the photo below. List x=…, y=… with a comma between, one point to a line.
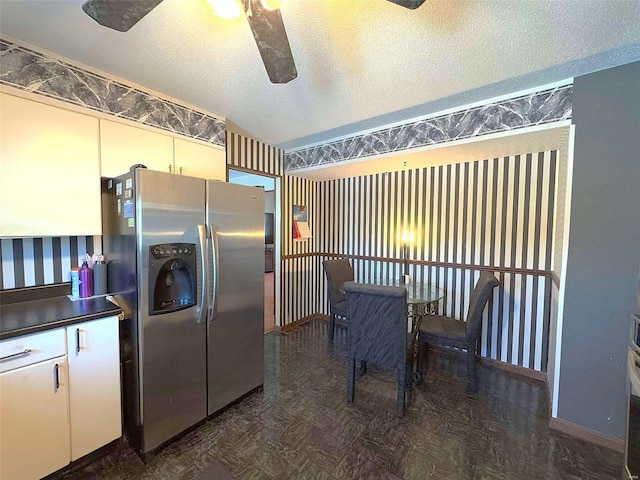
x=428, y=263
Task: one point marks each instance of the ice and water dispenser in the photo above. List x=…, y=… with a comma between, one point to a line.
x=172, y=277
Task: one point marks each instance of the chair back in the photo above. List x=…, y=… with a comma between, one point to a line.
x=481, y=294
x=377, y=323
x=337, y=272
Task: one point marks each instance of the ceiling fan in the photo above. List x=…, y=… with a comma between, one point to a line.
x=266, y=24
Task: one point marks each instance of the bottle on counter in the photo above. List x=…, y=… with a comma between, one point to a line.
x=86, y=281
x=100, y=276
x=75, y=282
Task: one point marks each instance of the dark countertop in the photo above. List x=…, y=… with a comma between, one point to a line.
x=34, y=316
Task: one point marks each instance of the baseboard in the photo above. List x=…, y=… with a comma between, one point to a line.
x=490, y=362
x=509, y=367
x=549, y=400
x=564, y=426
x=289, y=327
x=587, y=434
x=82, y=462
x=569, y=428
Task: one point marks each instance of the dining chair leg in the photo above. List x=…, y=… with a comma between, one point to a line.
x=363, y=367
x=351, y=378
x=402, y=376
x=423, y=348
x=332, y=325
x=472, y=386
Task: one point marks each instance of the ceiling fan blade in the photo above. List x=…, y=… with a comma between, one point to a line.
x=271, y=38
x=410, y=4
x=119, y=15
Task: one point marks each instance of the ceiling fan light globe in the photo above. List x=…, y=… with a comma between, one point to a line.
x=271, y=4
x=226, y=9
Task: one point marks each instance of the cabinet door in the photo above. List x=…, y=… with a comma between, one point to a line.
x=50, y=171
x=122, y=146
x=94, y=384
x=198, y=160
x=34, y=420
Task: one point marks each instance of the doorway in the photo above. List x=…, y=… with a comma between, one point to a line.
x=271, y=242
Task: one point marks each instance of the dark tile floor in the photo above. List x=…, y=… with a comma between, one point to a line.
x=301, y=427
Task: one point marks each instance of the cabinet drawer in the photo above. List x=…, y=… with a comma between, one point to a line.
x=29, y=349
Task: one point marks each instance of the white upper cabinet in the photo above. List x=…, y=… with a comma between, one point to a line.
x=51, y=161
x=122, y=146
x=49, y=170
x=198, y=160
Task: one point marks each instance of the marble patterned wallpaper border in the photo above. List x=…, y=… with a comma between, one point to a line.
x=35, y=72
x=528, y=110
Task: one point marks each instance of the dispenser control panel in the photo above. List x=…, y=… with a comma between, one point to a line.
x=173, y=281
x=168, y=250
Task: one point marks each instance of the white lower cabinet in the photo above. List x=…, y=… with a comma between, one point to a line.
x=34, y=420
x=94, y=385
x=57, y=408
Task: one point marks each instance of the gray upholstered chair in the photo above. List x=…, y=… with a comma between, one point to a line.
x=337, y=272
x=451, y=332
x=378, y=333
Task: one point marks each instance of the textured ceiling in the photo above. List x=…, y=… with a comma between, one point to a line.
x=361, y=64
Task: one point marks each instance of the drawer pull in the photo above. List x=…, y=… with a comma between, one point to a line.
x=56, y=378
x=26, y=351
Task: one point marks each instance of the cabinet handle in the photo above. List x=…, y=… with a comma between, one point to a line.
x=169, y=168
x=56, y=378
x=77, y=341
x=26, y=351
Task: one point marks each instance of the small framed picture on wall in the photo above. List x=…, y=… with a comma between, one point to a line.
x=301, y=228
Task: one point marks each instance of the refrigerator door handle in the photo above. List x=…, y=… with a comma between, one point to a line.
x=202, y=240
x=213, y=232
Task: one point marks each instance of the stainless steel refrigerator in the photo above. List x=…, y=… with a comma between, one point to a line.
x=185, y=261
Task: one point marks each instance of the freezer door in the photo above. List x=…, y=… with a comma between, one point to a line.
x=235, y=215
x=170, y=215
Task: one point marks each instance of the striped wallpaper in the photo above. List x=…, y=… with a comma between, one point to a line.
x=29, y=262
x=301, y=280
x=492, y=213
x=251, y=154
x=496, y=212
